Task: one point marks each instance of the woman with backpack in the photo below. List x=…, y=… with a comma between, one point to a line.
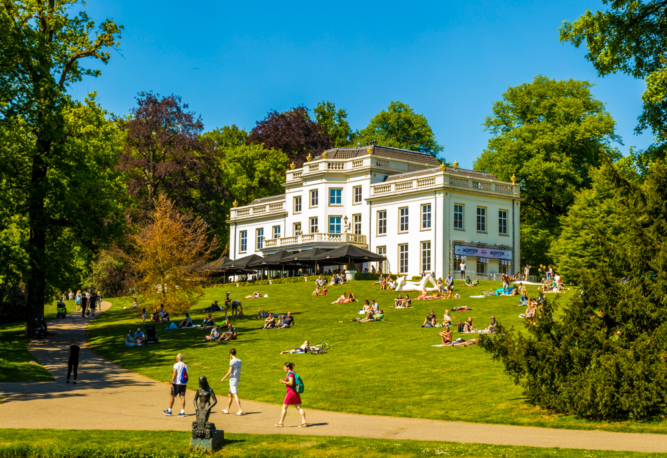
x=294, y=387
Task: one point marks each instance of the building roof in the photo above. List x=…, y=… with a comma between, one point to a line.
x=382, y=151
x=464, y=172
x=266, y=200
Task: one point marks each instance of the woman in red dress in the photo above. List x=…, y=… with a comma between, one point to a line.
x=292, y=398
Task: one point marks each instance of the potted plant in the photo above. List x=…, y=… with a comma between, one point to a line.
x=350, y=270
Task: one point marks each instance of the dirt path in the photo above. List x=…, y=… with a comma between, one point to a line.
x=110, y=397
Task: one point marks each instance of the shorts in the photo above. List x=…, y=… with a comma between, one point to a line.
x=463, y=272
x=178, y=390
x=233, y=386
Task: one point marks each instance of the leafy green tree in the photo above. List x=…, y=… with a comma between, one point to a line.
x=550, y=134
x=629, y=37
x=334, y=122
x=399, y=126
x=605, y=356
x=227, y=137
x=43, y=47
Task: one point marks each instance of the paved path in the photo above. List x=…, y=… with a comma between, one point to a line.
x=110, y=397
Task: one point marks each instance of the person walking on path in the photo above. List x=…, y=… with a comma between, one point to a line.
x=234, y=374
x=179, y=382
x=292, y=398
x=73, y=360
x=84, y=304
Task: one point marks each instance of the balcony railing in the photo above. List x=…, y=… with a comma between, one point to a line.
x=319, y=237
x=259, y=209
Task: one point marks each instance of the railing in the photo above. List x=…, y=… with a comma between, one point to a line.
x=297, y=175
x=244, y=212
x=425, y=182
x=504, y=189
x=336, y=165
x=415, y=168
x=382, y=189
x=259, y=209
x=358, y=163
x=318, y=237
x=274, y=207
x=462, y=182
x=403, y=185
x=314, y=167
x=382, y=162
x=485, y=185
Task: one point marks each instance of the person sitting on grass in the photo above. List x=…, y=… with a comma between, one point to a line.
x=467, y=282
x=375, y=307
x=349, y=298
x=287, y=321
x=214, y=335
x=343, y=280
x=398, y=301
x=261, y=315
x=129, y=340
x=270, y=322
x=468, y=326
x=430, y=321
x=446, y=336
x=447, y=319
x=186, y=323
x=139, y=336
x=383, y=284
x=317, y=291
x=165, y=316
x=492, y=327
x=155, y=316
x=229, y=335
x=341, y=300
x=407, y=302
x=424, y=295
x=380, y=279
x=214, y=307
x=255, y=295
x=304, y=348
x=208, y=321
x=532, y=308
x=367, y=308
x=391, y=283
x=441, y=286
x=319, y=282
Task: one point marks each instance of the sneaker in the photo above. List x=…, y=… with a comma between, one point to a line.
x=182, y=414
x=167, y=412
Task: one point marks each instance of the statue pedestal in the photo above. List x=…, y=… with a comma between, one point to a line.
x=214, y=443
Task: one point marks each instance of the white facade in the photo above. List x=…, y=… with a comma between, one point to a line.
x=399, y=203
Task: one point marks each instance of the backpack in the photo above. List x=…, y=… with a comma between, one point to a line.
x=298, y=384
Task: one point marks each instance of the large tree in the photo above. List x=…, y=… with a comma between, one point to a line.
x=334, y=122
x=604, y=357
x=293, y=133
x=399, y=126
x=43, y=47
x=629, y=37
x=550, y=134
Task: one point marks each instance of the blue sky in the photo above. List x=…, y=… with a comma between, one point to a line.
x=233, y=62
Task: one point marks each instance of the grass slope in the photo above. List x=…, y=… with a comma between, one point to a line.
x=16, y=363
x=140, y=444
x=381, y=368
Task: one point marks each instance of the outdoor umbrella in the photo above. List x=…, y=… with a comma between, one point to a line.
x=306, y=255
x=346, y=254
x=272, y=260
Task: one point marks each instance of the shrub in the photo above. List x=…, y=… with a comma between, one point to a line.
x=369, y=276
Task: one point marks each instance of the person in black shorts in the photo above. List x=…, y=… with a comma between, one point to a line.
x=84, y=305
x=73, y=362
x=228, y=303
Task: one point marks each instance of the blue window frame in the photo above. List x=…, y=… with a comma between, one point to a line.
x=334, y=225
x=335, y=196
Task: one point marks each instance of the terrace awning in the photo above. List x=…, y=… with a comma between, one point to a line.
x=348, y=253
x=273, y=260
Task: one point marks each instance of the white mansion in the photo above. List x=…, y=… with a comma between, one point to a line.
x=421, y=215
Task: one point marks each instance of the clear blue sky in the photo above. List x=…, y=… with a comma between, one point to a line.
x=233, y=62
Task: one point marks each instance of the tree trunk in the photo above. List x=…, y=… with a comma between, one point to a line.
x=36, y=279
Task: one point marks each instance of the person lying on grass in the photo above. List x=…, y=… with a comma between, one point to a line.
x=431, y=320
x=270, y=322
x=446, y=336
x=370, y=317
x=464, y=343
x=209, y=321
x=214, y=335
x=255, y=295
x=345, y=298
x=304, y=348
x=468, y=326
x=186, y=323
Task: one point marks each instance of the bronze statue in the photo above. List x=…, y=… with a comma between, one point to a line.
x=202, y=429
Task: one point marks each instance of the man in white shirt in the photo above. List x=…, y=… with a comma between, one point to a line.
x=234, y=374
x=179, y=382
x=463, y=270
x=526, y=271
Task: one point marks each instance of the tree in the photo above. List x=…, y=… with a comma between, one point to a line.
x=605, y=357
x=167, y=249
x=628, y=37
x=550, y=134
x=43, y=49
x=334, y=122
x=227, y=137
x=399, y=126
x=293, y=133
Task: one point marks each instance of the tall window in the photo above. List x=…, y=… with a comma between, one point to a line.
x=426, y=216
x=502, y=222
x=297, y=204
x=243, y=246
x=382, y=222
x=357, y=194
x=503, y=267
x=403, y=219
x=481, y=219
x=276, y=232
x=314, y=198
x=458, y=216
x=382, y=250
x=296, y=227
x=403, y=259
x=313, y=225
x=334, y=225
x=260, y=238
x=357, y=224
x=426, y=256
x=481, y=267
x=335, y=196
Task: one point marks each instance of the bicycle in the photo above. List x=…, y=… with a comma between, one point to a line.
x=491, y=292
x=319, y=349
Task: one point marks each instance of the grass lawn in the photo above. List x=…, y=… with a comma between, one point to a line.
x=16, y=363
x=380, y=368
x=140, y=444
